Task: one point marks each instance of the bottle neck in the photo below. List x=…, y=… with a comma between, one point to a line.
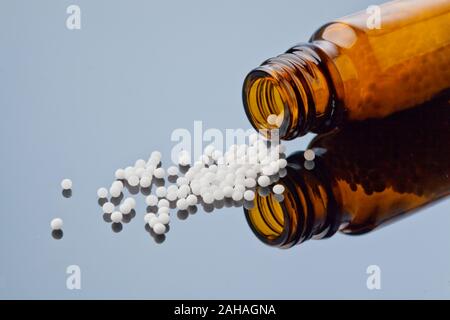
x=308, y=209
x=295, y=87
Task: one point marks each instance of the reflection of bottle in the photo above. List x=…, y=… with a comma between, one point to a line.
x=365, y=175
x=351, y=70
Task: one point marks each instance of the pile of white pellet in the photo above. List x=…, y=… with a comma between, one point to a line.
x=237, y=174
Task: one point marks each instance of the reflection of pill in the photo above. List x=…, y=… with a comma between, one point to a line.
x=66, y=184
x=56, y=224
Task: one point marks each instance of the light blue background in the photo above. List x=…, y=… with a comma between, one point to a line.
x=80, y=104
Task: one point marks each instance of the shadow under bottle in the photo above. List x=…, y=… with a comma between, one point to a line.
x=365, y=175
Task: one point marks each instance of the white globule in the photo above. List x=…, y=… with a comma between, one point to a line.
x=263, y=181
x=131, y=202
x=145, y=181
x=151, y=200
x=116, y=217
x=140, y=163
x=149, y=216
x=108, y=207
x=159, y=228
x=164, y=218
x=278, y=189
x=66, y=184
x=102, y=193
x=161, y=192
x=163, y=210
x=182, y=204
x=125, y=208
x=120, y=174
x=163, y=203
x=115, y=191
x=56, y=224
x=133, y=180
x=191, y=200
x=152, y=221
x=172, y=171
x=249, y=195
x=159, y=173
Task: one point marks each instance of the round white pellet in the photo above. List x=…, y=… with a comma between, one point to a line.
x=159, y=228
x=140, y=163
x=163, y=210
x=172, y=171
x=102, y=193
x=152, y=221
x=163, y=203
x=133, y=180
x=161, y=192
x=282, y=163
x=56, y=224
x=182, y=204
x=249, y=182
x=249, y=195
x=115, y=191
x=208, y=197
x=117, y=184
x=129, y=171
x=140, y=172
x=159, y=173
x=108, y=207
x=116, y=217
x=228, y=191
x=218, y=194
x=184, y=158
x=125, y=208
x=237, y=195
x=263, y=181
x=131, y=202
x=66, y=184
x=164, y=218
x=278, y=189
x=149, y=216
x=151, y=200
x=191, y=200
x=171, y=195
x=120, y=174
x=309, y=155
x=145, y=181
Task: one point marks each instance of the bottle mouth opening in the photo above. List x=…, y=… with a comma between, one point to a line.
x=272, y=220
x=266, y=103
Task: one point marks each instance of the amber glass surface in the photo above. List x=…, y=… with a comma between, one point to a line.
x=365, y=175
x=353, y=69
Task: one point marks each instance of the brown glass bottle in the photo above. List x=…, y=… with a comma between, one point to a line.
x=349, y=71
x=365, y=175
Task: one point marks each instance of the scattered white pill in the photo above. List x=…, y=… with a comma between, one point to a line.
x=151, y=200
x=249, y=195
x=182, y=204
x=272, y=119
x=120, y=174
x=208, y=198
x=163, y=210
x=172, y=171
x=278, y=189
x=191, y=200
x=102, y=193
x=56, y=224
x=152, y=221
x=163, y=203
x=149, y=216
x=164, y=218
x=140, y=163
x=125, y=208
x=237, y=195
x=145, y=182
x=66, y=184
x=131, y=202
x=133, y=180
x=159, y=228
x=159, y=173
x=263, y=181
x=115, y=191
x=108, y=207
x=116, y=217
x=161, y=192
x=309, y=155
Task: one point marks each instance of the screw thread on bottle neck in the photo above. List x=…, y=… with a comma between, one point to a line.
x=294, y=87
